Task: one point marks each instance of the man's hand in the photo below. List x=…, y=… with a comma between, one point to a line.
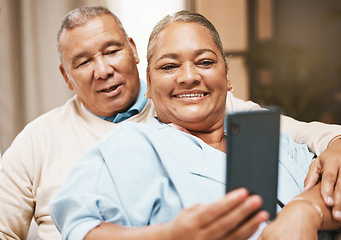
x=231, y=217
x=327, y=167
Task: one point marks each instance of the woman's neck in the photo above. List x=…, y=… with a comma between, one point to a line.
x=215, y=139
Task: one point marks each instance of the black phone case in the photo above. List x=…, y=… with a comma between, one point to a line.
x=252, y=154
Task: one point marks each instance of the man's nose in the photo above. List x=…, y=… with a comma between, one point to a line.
x=102, y=68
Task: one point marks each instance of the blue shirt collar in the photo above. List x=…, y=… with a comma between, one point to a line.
x=135, y=109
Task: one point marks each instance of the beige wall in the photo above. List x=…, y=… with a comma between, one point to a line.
x=230, y=19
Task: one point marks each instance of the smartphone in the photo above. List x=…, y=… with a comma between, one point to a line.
x=252, y=154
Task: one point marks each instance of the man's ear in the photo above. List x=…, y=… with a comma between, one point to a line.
x=133, y=48
x=66, y=78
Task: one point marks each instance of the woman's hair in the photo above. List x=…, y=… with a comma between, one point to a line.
x=187, y=17
x=82, y=15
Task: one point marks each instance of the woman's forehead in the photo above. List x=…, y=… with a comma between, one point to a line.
x=184, y=35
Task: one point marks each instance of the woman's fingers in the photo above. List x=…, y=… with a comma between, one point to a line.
x=241, y=216
x=222, y=206
x=247, y=229
x=232, y=217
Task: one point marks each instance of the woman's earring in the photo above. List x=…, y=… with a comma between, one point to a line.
x=145, y=95
x=229, y=85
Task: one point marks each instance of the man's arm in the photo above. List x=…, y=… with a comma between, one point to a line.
x=16, y=200
x=327, y=165
x=323, y=139
x=315, y=135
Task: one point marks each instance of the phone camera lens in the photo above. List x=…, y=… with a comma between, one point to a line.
x=235, y=129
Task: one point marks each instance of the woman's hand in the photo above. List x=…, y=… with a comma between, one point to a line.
x=328, y=167
x=296, y=221
x=234, y=216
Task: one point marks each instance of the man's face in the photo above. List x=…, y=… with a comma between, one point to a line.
x=99, y=64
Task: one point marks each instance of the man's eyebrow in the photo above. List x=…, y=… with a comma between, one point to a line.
x=76, y=58
x=104, y=46
x=113, y=43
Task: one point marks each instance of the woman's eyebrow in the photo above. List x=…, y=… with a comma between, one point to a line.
x=204, y=50
x=168, y=55
x=176, y=56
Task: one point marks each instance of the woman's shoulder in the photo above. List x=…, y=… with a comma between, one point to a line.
x=130, y=131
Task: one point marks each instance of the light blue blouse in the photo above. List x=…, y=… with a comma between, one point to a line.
x=144, y=174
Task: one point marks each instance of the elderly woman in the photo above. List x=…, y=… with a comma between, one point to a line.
x=165, y=179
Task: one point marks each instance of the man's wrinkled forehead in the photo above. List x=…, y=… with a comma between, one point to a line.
x=100, y=23
x=104, y=26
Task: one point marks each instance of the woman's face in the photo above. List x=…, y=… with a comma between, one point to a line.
x=187, y=79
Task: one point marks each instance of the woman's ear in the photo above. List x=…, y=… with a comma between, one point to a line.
x=229, y=85
x=147, y=94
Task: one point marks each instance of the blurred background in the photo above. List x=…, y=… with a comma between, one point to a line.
x=281, y=52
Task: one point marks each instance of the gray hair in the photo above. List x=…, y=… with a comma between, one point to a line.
x=187, y=17
x=81, y=16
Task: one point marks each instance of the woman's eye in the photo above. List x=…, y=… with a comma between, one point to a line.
x=168, y=67
x=206, y=63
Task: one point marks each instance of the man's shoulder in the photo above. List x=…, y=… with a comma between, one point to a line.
x=147, y=112
x=234, y=104
x=53, y=119
x=58, y=113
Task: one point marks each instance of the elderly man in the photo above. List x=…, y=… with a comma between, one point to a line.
x=98, y=62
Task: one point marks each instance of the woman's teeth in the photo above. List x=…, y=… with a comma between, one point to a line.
x=190, y=95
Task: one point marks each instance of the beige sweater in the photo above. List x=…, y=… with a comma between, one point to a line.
x=36, y=164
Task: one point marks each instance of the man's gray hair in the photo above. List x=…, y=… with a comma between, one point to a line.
x=82, y=15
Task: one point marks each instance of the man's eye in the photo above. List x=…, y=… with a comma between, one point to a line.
x=111, y=52
x=83, y=63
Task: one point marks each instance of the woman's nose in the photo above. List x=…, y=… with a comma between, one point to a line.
x=188, y=74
